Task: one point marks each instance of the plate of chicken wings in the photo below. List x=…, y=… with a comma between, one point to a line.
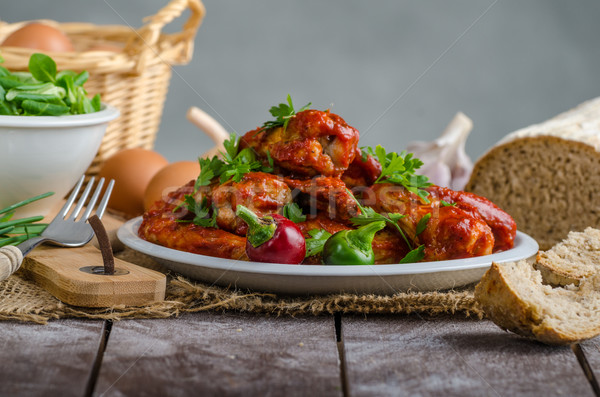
x=367, y=221
x=318, y=279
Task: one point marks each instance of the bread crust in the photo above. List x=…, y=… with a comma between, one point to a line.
x=502, y=304
x=505, y=297
x=547, y=183
x=547, y=175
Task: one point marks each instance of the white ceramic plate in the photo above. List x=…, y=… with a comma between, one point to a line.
x=314, y=279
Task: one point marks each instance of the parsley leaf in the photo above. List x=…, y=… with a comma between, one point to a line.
x=447, y=204
x=422, y=224
x=415, y=255
x=235, y=164
x=314, y=245
x=368, y=215
x=400, y=169
x=293, y=212
x=283, y=113
x=270, y=167
x=201, y=211
x=232, y=146
x=235, y=167
x=208, y=170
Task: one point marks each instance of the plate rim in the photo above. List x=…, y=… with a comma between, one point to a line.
x=525, y=247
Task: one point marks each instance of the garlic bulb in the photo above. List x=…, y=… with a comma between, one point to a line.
x=445, y=161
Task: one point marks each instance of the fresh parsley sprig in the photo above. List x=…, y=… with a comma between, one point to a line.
x=368, y=215
x=283, y=113
x=293, y=212
x=447, y=204
x=201, y=211
x=400, y=169
x=422, y=224
x=416, y=255
x=234, y=165
x=314, y=244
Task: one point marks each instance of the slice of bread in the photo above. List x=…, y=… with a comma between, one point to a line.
x=514, y=297
x=575, y=258
x=546, y=176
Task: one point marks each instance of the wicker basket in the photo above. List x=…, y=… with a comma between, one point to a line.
x=134, y=80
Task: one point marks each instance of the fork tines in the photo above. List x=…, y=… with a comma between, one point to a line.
x=83, y=198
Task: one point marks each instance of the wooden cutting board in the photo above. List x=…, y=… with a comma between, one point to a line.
x=59, y=271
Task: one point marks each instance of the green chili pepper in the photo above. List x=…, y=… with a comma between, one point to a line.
x=352, y=247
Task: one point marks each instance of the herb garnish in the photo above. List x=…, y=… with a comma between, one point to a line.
x=283, y=113
x=234, y=165
x=399, y=169
x=314, y=245
x=447, y=204
x=15, y=231
x=200, y=210
x=44, y=92
x=422, y=224
x=415, y=255
x=293, y=212
x=369, y=215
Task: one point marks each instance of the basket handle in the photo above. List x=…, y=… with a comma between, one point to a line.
x=148, y=36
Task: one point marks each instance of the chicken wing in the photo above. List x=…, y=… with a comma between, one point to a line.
x=449, y=233
x=260, y=192
x=326, y=194
x=503, y=225
x=164, y=226
x=362, y=172
x=314, y=143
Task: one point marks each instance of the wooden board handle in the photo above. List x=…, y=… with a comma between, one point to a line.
x=10, y=260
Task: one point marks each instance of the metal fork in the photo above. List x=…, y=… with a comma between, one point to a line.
x=66, y=230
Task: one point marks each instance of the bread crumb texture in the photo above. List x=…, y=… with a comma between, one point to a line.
x=547, y=176
x=518, y=298
x=575, y=258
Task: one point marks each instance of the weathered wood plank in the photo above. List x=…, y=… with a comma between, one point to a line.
x=221, y=354
x=48, y=360
x=447, y=356
x=589, y=357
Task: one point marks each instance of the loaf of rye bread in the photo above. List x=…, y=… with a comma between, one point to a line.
x=555, y=299
x=547, y=176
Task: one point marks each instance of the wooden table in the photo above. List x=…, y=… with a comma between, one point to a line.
x=230, y=354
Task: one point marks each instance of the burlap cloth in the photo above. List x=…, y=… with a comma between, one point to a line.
x=22, y=300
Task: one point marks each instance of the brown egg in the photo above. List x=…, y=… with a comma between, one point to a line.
x=169, y=179
x=40, y=37
x=132, y=170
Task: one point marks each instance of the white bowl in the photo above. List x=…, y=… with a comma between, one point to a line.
x=39, y=154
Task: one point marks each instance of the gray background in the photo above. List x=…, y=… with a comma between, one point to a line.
x=396, y=70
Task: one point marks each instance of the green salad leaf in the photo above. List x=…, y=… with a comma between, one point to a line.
x=44, y=92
